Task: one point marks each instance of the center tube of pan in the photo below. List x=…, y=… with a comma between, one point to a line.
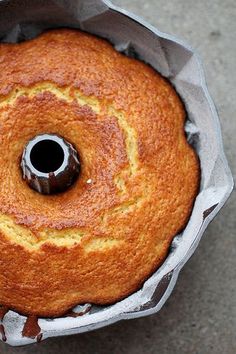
x=50, y=164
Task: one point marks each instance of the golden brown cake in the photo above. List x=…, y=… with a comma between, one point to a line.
x=98, y=241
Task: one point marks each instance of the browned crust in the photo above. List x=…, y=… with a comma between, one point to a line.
x=155, y=196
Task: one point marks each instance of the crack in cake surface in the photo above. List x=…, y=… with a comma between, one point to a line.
x=71, y=237
x=70, y=94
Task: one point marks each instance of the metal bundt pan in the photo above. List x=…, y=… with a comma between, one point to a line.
x=181, y=65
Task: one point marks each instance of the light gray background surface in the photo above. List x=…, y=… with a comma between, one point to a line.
x=200, y=316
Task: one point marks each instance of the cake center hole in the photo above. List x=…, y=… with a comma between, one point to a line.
x=47, y=156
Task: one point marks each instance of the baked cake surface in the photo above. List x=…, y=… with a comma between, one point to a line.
x=98, y=241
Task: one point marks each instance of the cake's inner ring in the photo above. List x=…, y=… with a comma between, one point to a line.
x=47, y=156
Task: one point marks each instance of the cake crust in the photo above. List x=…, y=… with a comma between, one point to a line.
x=98, y=241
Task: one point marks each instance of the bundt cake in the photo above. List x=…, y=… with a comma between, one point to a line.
x=98, y=240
